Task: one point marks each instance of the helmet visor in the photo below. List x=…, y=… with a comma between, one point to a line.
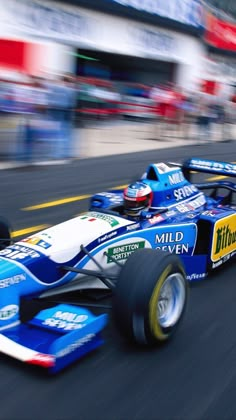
x=136, y=204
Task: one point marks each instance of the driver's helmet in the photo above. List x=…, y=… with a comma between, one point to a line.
x=137, y=197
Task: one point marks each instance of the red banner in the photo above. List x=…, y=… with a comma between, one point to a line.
x=12, y=54
x=220, y=34
x=21, y=56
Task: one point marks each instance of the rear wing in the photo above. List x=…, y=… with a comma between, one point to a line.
x=208, y=166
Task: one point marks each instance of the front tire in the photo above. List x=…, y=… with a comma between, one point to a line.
x=150, y=296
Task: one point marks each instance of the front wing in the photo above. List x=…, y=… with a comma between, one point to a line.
x=55, y=337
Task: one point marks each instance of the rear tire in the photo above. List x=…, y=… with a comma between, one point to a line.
x=150, y=296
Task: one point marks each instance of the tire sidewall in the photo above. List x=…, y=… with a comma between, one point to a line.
x=154, y=330
x=137, y=294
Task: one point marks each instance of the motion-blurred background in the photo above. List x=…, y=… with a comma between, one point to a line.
x=89, y=78
x=67, y=67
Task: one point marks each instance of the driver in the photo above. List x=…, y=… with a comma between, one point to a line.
x=137, y=197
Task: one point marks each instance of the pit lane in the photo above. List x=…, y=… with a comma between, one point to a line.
x=193, y=377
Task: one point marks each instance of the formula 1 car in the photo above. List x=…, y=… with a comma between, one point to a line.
x=142, y=264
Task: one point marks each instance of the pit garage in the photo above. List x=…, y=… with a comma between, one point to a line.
x=124, y=68
x=119, y=84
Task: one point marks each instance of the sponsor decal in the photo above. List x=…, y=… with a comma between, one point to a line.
x=220, y=167
x=107, y=236
x=176, y=178
x=8, y=312
x=210, y=213
x=185, y=192
x=134, y=226
x=196, y=276
x=217, y=264
x=62, y=325
x=10, y=281
x=72, y=347
x=178, y=240
x=191, y=215
x=34, y=240
x=89, y=219
x=156, y=219
x=170, y=213
x=192, y=205
x=70, y=316
x=169, y=237
x=66, y=321
x=102, y=216
x=122, y=252
x=19, y=252
x=224, y=259
x=224, y=238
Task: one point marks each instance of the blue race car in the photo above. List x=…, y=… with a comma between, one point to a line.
x=138, y=248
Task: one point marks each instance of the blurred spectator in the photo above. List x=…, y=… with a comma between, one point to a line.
x=69, y=115
x=31, y=106
x=45, y=110
x=61, y=104
x=204, y=119
x=234, y=98
x=98, y=98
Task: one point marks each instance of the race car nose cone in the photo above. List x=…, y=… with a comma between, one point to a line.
x=10, y=274
x=11, y=277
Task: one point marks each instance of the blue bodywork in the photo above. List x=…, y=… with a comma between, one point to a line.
x=200, y=228
x=183, y=217
x=56, y=337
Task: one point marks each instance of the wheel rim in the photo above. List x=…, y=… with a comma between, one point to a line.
x=171, y=300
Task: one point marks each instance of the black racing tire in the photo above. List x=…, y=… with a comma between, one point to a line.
x=141, y=310
x=5, y=233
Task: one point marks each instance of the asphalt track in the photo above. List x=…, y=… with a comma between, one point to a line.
x=193, y=377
